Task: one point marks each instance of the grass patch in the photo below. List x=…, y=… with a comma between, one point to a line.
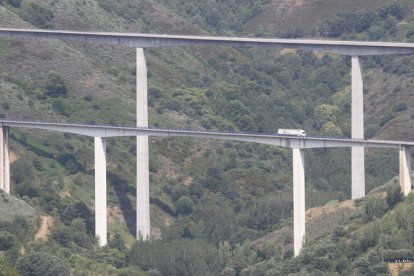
x=4, y=47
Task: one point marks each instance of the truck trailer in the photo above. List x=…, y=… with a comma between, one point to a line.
x=293, y=132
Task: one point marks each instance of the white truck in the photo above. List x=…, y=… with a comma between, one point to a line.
x=293, y=132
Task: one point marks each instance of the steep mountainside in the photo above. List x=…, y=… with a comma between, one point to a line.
x=207, y=197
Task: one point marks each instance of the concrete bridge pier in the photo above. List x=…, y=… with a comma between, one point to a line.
x=100, y=191
x=358, y=157
x=4, y=159
x=298, y=199
x=1, y=157
x=405, y=169
x=143, y=206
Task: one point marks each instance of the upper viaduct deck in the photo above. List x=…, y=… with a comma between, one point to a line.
x=351, y=48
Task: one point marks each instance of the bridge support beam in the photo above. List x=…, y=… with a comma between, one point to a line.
x=4, y=159
x=298, y=199
x=100, y=191
x=405, y=170
x=358, y=157
x=143, y=206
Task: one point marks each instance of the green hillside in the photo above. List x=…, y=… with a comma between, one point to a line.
x=217, y=208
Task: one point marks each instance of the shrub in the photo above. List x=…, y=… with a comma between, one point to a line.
x=185, y=205
x=178, y=257
x=113, y=257
x=5, y=105
x=62, y=235
x=41, y=264
x=393, y=8
x=78, y=210
x=332, y=28
x=15, y=3
x=375, y=208
x=394, y=195
x=398, y=255
x=410, y=34
x=385, y=119
x=6, y=240
x=163, y=206
x=59, y=107
x=178, y=192
x=88, y=98
x=21, y=171
x=55, y=86
x=267, y=211
x=376, y=32
x=400, y=107
x=37, y=15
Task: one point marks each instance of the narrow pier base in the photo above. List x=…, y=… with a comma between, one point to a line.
x=405, y=170
x=100, y=191
x=298, y=200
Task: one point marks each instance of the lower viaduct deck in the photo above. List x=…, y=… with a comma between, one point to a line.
x=297, y=143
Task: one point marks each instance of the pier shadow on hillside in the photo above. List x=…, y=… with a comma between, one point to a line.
x=122, y=189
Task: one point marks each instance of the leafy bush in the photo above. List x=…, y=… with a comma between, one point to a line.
x=347, y=22
x=185, y=205
x=385, y=119
x=62, y=235
x=128, y=11
x=78, y=210
x=15, y=3
x=376, y=32
x=5, y=105
x=7, y=240
x=59, y=107
x=375, y=208
x=179, y=191
x=112, y=256
x=21, y=171
x=357, y=22
x=216, y=182
x=400, y=107
x=55, y=86
x=41, y=264
x=410, y=34
x=393, y=8
x=398, y=255
x=176, y=258
x=163, y=206
x=36, y=14
x=267, y=211
x=394, y=195
x=70, y=163
x=6, y=269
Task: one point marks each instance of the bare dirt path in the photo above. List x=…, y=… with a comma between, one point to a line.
x=43, y=231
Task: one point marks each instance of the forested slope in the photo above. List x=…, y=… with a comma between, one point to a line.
x=217, y=207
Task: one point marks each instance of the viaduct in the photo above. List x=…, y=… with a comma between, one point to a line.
x=354, y=49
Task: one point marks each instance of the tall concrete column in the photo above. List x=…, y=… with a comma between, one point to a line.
x=358, y=158
x=1, y=157
x=6, y=160
x=100, y=191
x=143, y=207
x=405, y=169
x=298, y=199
